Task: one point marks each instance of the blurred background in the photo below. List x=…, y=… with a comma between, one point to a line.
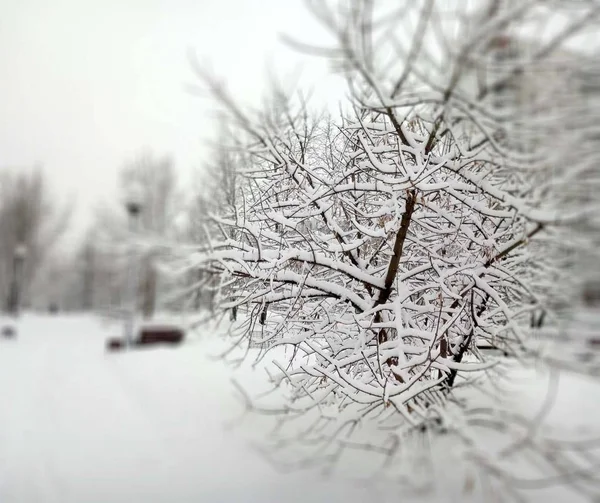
x=96, y=89
x=112, y=155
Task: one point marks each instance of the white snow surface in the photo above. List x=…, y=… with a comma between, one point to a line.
x=79, y=424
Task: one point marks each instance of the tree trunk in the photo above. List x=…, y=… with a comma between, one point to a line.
x=149, y=290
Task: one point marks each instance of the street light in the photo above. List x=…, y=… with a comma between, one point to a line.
x=14, y=299
x=133, y=206
x=13, y=303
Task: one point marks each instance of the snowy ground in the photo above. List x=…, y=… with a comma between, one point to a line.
x=78, y=424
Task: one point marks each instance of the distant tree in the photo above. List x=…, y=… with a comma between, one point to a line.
x=90, y=270
x=157, y=180
x=108, y=245
x=101, y=269
x=31, y=218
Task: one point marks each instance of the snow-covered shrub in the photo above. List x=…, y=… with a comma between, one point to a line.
x=385, y=246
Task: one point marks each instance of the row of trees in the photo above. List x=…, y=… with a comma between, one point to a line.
x=90, y=273
x=100, y=266
x=436, y=214
x=31, y=224
x=108, y=242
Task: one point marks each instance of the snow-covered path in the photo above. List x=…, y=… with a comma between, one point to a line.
x=80, y=425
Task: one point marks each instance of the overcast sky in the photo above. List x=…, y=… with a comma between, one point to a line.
x=87, y=84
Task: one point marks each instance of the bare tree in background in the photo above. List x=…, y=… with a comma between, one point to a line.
x=89, y=258
x=102, y=261
x=158, y=180
x=383, y=248
x=29, y=218
x=99, y=282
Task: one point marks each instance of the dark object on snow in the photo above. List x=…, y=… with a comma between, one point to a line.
x=233, y=313
x=114, y=344
x=9, y=331
x=53, y=308
x=591, y=294
x=160, y=335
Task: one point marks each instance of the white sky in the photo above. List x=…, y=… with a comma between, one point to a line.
x=87, y=84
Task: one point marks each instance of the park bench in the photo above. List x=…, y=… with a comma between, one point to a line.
x=150, y=335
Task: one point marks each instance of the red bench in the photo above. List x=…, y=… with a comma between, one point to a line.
x=148, y=336
x=159, y=335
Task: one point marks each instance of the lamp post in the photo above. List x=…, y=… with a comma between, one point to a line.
x=14, y=299
x=13, y=302
x=133, y=206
